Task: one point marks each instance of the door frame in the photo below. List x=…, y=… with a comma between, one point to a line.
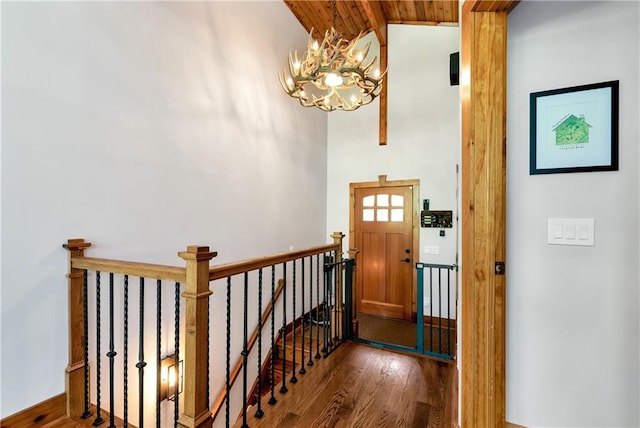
x=415, y=220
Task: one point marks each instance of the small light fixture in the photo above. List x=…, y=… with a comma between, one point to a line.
x=171, y=378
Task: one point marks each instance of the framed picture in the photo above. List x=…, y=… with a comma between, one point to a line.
x=574, y=129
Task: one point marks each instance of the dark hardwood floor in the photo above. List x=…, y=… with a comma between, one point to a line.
x=362, y=386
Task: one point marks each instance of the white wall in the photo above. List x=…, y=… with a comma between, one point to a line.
x=573, y=327
x=143, y=127
x=423, y=133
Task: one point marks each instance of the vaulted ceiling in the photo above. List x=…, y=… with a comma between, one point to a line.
x=355, y=16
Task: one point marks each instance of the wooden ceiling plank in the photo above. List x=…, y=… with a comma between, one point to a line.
x=299, y=10
x=430, y=12
x=322, y=11
x=449, y=7
x=350, y=26
x=394, y=11
x=439, y=11
x=412, y=9
x=409, y=10
x=421, y=14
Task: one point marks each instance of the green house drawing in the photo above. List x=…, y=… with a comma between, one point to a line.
x=572, y=130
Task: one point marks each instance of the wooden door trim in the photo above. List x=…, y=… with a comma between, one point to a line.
x=415, y=229
x=483, y=96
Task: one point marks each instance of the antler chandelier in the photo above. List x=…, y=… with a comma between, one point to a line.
x=333, y=75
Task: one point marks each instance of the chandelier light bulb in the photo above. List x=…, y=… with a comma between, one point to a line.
x=333, y=80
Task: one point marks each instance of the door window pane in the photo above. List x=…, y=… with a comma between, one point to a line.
x=382, y=214
x=397, y=201
x=383, y=200
x=367, y=214
x=368, y=201
x=397, y=214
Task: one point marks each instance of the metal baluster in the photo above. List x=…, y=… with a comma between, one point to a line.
x=283, y=389
x=158, y=350
x=348, y=288
x=318, y=305
x=125, y=361
x=228, y=353
x=98, y=419
x=325, y=308
x=310, y=315
x=448, y=311
x=431, y=309
x=420, y=309
x=333, y=299
x=176, y=403
x=207, y=395
x=337, y=268
x=140, y=365
x=259, y=413
x=302, y=369
x=85, y=341
x=440, y=310
x=455, y=310
x=273, y=400
x=294, y=379
x=244, y=352
x=111, y=355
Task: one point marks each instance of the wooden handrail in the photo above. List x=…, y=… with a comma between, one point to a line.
x=145, y=270
x=217, y=405
x=223, y=271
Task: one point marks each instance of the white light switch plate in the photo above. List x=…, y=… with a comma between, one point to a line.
x=433, y=250
x=571, y=231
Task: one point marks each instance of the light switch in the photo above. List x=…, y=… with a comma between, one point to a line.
x=557, y=231
x=571, y=231
x=583, y=232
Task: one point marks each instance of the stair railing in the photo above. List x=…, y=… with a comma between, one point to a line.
x=327, y=284
x=310, y=318
x=194, y=280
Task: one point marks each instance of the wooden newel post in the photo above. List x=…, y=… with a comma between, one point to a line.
x=353, y=252
x=337, y=240
x=196, y=413
x=74, y=373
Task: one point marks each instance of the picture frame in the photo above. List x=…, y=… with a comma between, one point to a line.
x=574, y=129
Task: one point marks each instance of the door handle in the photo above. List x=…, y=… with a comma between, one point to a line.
x=407, y=260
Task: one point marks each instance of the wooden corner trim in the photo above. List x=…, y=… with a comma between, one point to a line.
x=38, y=414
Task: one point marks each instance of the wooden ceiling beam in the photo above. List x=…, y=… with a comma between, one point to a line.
x=377, y=19
x=494, y=5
